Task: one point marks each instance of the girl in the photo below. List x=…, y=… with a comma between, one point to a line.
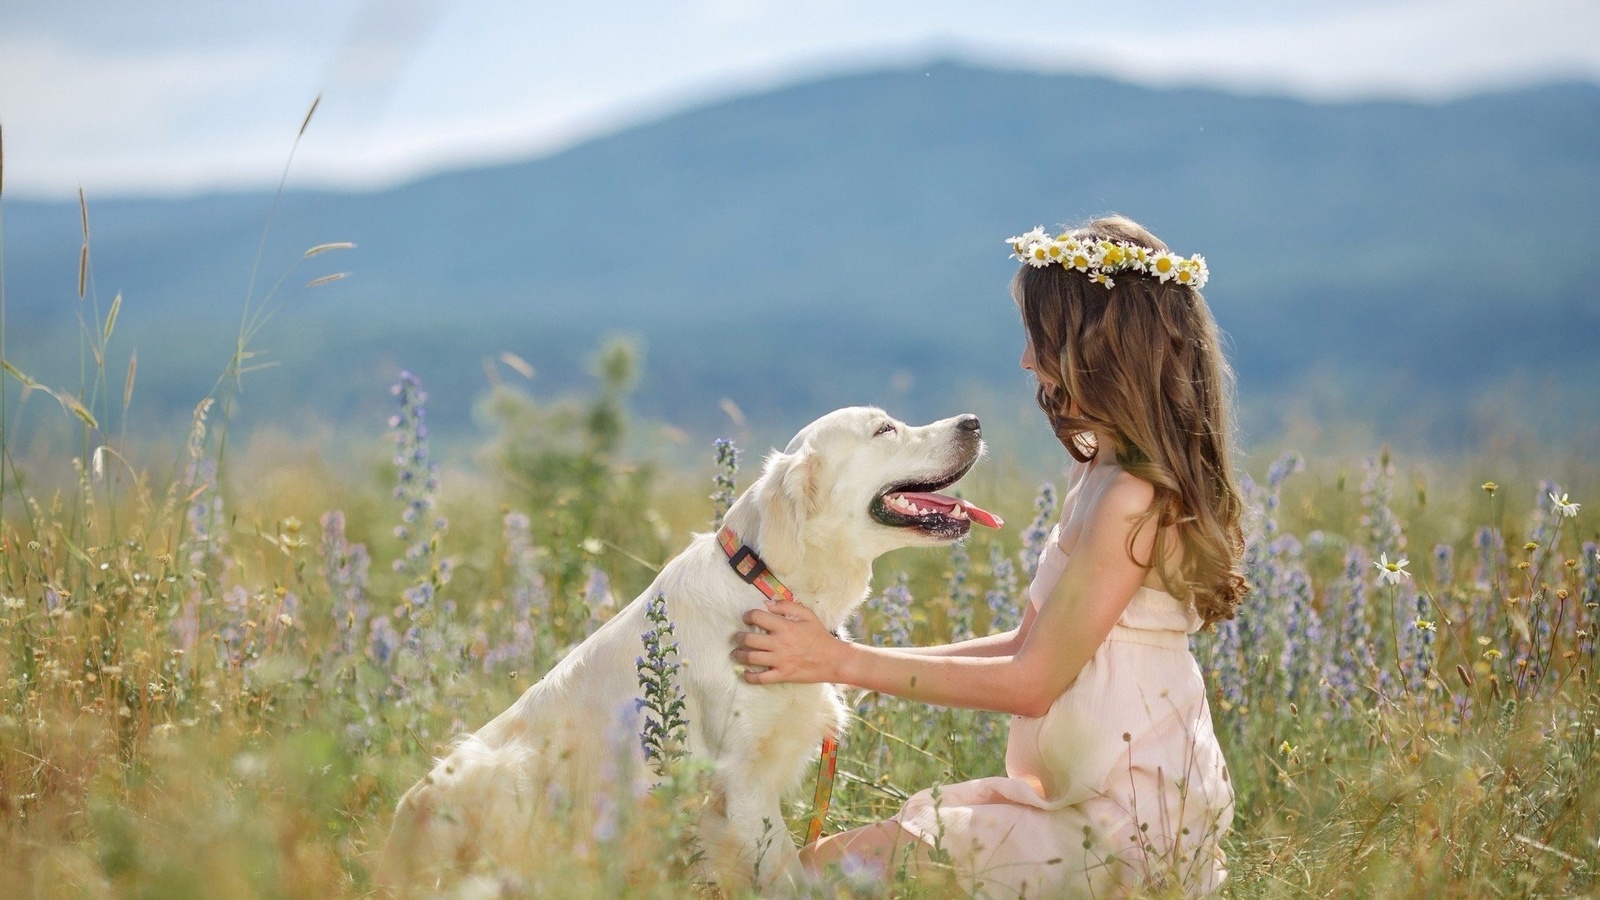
x=1114, y=779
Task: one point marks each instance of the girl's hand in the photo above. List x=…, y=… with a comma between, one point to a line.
x=795, y=648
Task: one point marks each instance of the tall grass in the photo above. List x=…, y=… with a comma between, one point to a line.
x=235, y=711
x=217, y=682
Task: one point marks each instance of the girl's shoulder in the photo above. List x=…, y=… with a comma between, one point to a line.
x=1101, y=495
x=1110, y=499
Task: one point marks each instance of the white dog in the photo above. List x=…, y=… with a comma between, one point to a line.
x=851, y=486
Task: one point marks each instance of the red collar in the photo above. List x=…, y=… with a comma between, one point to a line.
x=749, y=566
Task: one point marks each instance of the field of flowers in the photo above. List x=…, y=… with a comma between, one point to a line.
x=219, y=668
x=216, y=682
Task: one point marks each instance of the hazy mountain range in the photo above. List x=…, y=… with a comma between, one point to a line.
x=840, y=241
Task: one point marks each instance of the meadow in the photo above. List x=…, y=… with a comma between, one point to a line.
x=219, y=675
x=221, y=664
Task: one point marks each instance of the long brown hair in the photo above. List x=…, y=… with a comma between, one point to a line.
x=1141, y=364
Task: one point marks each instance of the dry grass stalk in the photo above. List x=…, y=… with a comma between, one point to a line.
x=326, y=279
x=324, y=248
x=127, y=387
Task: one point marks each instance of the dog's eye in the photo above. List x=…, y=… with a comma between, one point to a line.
x=885, y=428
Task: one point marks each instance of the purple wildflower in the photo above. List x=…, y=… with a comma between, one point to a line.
x=1382, y=526
x=597, y=597
x=664, y=732
x=1001, y=597
x=345, y=567
x=1300, y=660
x=421, y=530
x=529, y=596
x=725, y=480
x=961, y=594
x=1038, y=531
x=893, y=608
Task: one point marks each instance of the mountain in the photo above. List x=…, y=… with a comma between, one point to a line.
x=840, y=241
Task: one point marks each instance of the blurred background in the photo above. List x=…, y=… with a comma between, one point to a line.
x=784, y=208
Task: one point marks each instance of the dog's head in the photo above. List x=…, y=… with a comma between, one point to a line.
x=857, y=483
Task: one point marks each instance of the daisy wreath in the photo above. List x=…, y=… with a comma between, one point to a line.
x=1102, y=258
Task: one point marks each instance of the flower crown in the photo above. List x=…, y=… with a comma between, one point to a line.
x=1102, y=258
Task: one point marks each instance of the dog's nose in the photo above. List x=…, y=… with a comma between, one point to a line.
x=969, y=423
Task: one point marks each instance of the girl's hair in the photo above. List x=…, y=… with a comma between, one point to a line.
x=1141, y=364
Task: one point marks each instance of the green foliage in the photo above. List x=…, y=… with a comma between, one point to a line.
x=564, y=462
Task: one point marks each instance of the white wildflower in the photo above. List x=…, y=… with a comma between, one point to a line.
x=1391, y=572
x=1164, y=265
x=1564, y=506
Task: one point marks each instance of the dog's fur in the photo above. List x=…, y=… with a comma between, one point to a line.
x=808, y=518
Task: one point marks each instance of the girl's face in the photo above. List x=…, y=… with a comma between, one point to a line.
x=1030, y=362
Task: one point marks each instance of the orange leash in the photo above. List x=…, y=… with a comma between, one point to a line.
x=824, y=792
x=753, y=570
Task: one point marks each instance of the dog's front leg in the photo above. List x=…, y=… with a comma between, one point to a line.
x=744, y=837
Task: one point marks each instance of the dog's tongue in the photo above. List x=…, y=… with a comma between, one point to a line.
x=976, y=513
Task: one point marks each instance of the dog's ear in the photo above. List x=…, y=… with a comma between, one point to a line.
x=786, y=498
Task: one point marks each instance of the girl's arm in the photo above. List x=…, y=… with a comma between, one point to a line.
x=1005, y=643
x=1099, y=581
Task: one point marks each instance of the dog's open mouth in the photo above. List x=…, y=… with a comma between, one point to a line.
x=919, y=505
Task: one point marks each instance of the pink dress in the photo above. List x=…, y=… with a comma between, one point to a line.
x=1120, y=785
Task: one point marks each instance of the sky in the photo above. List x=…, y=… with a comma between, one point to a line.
x=185, y=96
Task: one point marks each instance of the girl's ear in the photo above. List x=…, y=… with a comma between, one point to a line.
x=786, y=498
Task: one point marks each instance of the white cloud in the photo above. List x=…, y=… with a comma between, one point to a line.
x=413, y=85
x=1424, y=49
x=106, y=121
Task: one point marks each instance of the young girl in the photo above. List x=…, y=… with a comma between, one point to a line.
x=1114, y=779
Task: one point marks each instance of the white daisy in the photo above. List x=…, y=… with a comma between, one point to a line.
x=1192, y=272
x=1113, y=255
x=1138, y=258
x=1102, y=278
x=1023, y=243
x=1164, y=265
x=1391, y=572
x=1564, y=506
